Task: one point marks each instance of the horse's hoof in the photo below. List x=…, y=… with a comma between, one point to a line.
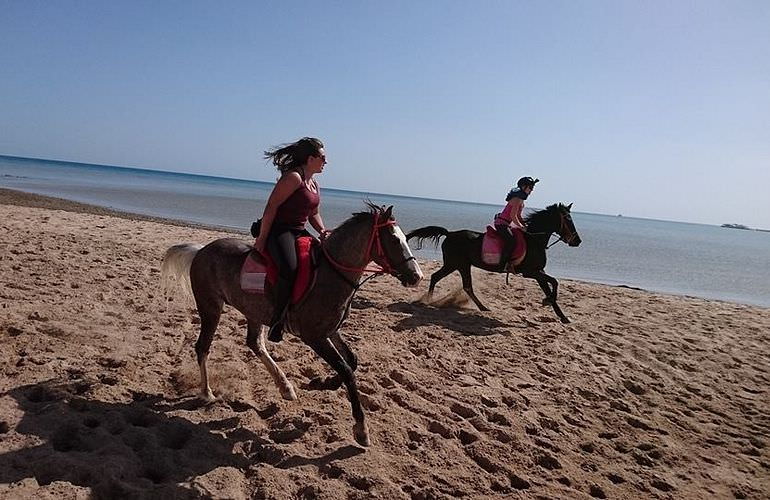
x=565, y=320
x=485, y=309
x=361, y=434
x=288, y=393
x=207, y=397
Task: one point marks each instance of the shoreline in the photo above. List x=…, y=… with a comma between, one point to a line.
x=23, y=198
x=20, y=198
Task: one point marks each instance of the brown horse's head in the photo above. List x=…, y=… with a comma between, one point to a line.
x=393, y=253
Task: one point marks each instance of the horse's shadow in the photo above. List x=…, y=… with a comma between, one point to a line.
x=464, y=323
x=129, y=450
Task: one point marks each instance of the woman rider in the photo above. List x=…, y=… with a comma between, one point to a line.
x=511, y=215
x=293, y=202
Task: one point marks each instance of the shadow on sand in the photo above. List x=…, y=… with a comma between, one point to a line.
x=464, y=323
x=137, y=449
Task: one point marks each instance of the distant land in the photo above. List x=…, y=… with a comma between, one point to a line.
x=742, y=226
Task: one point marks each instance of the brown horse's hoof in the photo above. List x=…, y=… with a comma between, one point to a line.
x=287, y=393
x=361, y=434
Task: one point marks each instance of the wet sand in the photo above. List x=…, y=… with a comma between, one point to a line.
x=642, y=396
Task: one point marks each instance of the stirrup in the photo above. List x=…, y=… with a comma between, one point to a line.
x=275, y=333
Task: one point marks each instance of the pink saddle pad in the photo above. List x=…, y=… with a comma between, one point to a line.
x=492, y=246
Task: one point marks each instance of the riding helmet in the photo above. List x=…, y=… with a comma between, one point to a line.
x=527, y=181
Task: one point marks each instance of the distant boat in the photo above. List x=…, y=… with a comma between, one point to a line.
x=736, y=226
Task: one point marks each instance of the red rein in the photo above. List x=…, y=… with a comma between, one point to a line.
x=374, y=237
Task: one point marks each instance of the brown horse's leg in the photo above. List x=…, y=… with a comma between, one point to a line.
x=209, y=314
x=342, y=347
x=328, y=352
x=465, y=272
x=334, y=382
x=255, y=339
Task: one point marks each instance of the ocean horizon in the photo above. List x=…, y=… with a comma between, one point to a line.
x=681, y=258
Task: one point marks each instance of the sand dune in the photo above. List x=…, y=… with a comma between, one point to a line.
x=642, y=396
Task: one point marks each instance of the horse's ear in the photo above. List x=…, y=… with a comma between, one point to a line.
x=388, y=213
x=569, y=207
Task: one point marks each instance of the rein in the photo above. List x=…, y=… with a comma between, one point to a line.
x=338, y=268
x=561, y=238
x=374, y=239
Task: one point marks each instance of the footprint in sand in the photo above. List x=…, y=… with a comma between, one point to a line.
x=463, y=411
x=289, y=430
x=633, y=387
x=466, y=437
x=441, y=429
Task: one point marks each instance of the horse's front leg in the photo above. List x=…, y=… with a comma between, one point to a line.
x=255, y=339
x=540, y=277
x=333, y=382
x=326, y=349
x=549, y=285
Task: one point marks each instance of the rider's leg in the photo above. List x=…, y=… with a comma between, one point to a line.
x=282, y=247
x=509, y=242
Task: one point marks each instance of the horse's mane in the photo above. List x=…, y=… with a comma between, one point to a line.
x=538, y=217
x=359, y=217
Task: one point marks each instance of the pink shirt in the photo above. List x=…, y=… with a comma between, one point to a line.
x=506, y=216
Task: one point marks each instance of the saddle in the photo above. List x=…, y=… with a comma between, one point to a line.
x=259, y=269
x=492, y=249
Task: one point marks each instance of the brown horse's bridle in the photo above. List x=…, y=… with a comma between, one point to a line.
x=374, y=242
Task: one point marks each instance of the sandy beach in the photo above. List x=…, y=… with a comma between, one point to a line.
x=643, y=395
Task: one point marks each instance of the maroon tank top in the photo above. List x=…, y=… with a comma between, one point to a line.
x=295, y=211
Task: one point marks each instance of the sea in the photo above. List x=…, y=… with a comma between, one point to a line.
x=679, y=258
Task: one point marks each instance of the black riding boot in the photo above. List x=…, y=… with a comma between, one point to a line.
x=281, y=296
x=508, y=244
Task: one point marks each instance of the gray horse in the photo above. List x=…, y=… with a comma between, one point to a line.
x=214, y=278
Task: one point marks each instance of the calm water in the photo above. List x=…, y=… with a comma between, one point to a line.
x=691, y=259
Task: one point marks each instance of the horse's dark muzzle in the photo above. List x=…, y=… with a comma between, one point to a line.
x=575, y=242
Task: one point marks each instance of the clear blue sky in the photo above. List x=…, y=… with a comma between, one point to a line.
x=652, y=108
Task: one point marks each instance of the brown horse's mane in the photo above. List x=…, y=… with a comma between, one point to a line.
x=374, y=211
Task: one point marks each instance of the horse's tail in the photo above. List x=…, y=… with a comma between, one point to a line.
x=427, y=233
x=175, y=269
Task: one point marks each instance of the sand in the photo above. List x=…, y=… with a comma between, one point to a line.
x=642, y=396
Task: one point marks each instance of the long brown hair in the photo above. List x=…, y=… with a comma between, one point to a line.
x=292, y=156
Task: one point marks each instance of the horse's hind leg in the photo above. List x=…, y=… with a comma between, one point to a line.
x=255, y=339
x=209, y=313
x=329, y=353
x=465, y=272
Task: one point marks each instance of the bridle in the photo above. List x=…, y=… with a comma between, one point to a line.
x=562, y=227
x=375, y=243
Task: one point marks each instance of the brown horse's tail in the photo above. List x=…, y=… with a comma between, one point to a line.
x=427, y=233
x=175, y=269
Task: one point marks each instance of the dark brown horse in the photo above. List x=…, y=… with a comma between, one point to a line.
x=214, y=277
x=462, y=249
